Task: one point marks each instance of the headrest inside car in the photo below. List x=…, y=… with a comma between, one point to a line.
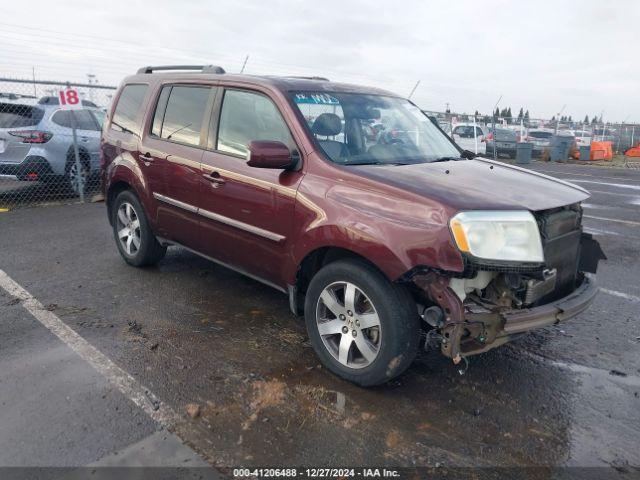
x=327, y=124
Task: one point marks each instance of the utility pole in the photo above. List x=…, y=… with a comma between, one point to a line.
x=414, y=89
x=33, y=72
x=92, y=80
x=558, y=117
x=244, y=64
x=495, y=140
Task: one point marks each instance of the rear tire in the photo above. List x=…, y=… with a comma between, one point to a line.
x=76, y=180
x=364, y=328
x=136, y=241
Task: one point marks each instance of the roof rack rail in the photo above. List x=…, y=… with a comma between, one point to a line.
x=200, y=68
x=323, y=79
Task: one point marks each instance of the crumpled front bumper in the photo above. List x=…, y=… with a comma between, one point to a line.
x=510, y=324
x=518, y=321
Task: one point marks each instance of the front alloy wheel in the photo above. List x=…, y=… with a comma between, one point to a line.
x=348, y=324
x=363, y=327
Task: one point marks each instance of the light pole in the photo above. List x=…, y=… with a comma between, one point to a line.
x=92, y=80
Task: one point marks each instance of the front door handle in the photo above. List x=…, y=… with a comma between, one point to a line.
x=146, y=157
x=215, y=179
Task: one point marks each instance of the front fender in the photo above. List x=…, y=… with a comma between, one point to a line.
x=395, y=233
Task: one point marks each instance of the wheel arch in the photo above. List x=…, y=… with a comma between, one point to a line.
x=124, y=174
x=83, y=153
x=311, y=264
x=112, y=193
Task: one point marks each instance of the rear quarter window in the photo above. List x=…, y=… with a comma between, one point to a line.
x=84, y=119
x=126, y=114
x=15, y=115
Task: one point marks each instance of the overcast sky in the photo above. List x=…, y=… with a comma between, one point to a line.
x=537, y=54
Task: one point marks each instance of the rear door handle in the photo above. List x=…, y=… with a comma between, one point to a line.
x=214, y=178
x=146, y=157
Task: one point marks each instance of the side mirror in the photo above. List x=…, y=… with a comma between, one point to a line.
x=269, y=154
x=468, y=155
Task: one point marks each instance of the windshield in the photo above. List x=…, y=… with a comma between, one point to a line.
x=541, y=134
x=357, y=129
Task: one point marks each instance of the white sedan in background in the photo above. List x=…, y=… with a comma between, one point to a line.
x=465, y=137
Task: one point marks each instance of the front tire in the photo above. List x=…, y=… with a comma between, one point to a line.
x=136, y=242
x=364, y=328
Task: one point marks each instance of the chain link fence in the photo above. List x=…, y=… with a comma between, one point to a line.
x=48, y=153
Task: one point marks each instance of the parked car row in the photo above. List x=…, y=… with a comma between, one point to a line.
x=505, y=140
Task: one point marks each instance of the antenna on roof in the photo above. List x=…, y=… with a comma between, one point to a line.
x=414, y=89
x=244, y=64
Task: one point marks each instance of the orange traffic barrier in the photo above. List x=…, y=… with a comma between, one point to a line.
x=601, y=151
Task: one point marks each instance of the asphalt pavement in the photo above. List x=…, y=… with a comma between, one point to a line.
x=226, y=355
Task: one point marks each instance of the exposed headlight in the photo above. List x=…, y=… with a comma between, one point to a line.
x=500, y=235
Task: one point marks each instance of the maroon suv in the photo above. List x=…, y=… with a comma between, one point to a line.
x=354, y=203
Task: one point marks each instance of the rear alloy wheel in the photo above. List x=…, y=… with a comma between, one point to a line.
x=128, y=227
x=136, y=241
x=77, y=179
x=364, y=328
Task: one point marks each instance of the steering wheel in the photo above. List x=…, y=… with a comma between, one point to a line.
x=387, y=138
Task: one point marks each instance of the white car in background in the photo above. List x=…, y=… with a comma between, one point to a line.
x=583, y=137
x=463, y=135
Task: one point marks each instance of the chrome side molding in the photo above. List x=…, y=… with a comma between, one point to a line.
x=275, y=237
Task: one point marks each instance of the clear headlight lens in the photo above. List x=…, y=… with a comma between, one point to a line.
x=498, y=235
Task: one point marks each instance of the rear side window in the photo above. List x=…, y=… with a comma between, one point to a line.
x=125, y=115
x=181, y=121
x=84, y=119
x=248, y=116
x=14, y=115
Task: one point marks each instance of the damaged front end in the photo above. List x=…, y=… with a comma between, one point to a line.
x=489, y=304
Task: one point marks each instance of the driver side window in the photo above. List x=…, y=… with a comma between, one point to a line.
x=247, y=116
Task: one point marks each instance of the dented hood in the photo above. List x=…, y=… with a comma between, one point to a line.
x=478, y=184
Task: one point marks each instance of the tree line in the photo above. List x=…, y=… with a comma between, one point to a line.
x=524, y=117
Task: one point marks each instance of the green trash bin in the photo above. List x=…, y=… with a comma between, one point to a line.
x=585, y=152
x=524, y=152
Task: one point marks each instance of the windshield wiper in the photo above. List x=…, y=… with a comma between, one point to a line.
x=446, y=159
x=377, y=163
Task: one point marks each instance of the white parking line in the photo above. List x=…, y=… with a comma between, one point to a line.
x=595, y=207
x=605, y=219
x=124, y=382
x=617, y=194
x=619, y=185
x=598, y=231
x=591, y=176
x=615, y=293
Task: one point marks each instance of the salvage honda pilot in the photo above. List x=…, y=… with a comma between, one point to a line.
x=351, y=201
